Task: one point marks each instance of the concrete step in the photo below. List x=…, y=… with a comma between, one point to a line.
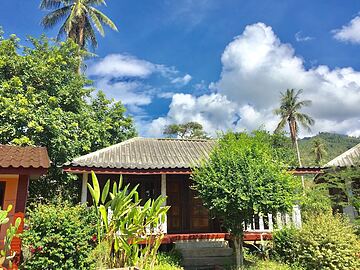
x=189, y=244
x=209, y=262
x=207, y=252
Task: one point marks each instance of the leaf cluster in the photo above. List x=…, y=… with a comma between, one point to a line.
x=130, y=233
x=60, y=236
x=45, y=102
x=243, y=177
x=325, y=242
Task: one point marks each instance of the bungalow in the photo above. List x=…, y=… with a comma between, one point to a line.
x=161, y=167
x=19, y=165
x=350, y=158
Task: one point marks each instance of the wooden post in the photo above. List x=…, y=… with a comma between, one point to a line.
x=84, y=187
x=163, y=193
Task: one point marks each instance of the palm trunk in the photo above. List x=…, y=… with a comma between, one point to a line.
x=293, y=134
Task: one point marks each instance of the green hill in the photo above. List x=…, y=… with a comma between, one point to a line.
x=336, y=144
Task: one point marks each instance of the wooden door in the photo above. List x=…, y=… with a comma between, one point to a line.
x=174, y=193
x=199, y=215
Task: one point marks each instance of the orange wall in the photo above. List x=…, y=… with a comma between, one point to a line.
x=11, y=188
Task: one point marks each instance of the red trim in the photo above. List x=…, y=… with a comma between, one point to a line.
x=125, y=171
x=24, y=171
x=249, y=236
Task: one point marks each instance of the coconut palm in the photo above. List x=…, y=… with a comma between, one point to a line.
x=319, y=150
x=289, y=112
x=80, y=18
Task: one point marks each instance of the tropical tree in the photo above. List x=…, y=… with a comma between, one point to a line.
x=289, y=112
x=319, y=150
x=189, y=130
x=43, y=102
x=79, y=16
x=243, y=177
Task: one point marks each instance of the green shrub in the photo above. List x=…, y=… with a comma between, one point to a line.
x=168, y=261
x=271, y=265
x=60, y=236
x=325, y=242
x=316, y=201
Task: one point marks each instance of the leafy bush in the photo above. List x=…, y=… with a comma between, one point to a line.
x=325, y=242
x=168, y=261
x=316, y=201
x=60, y=236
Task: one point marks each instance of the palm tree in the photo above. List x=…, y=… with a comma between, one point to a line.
x=319, y=150
x=290, y=114
x=79, y=19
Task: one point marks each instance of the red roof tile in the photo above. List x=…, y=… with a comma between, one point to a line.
x=12, y=156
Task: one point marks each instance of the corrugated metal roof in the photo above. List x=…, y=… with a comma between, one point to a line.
x=349, y=158
x=12, y=156
x=148, y=153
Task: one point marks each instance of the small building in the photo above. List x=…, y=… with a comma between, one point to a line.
x=348, y=159
x=160, y=167
x=19, y=165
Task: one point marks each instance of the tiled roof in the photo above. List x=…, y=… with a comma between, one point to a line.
x=12, y=156
x=147, y=153
x=349, y=158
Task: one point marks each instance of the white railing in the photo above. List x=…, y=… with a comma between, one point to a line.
x=266, y=223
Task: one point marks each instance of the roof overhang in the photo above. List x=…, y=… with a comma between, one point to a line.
x=80, y=170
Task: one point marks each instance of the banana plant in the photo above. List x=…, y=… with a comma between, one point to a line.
x=130, y=230
x=5, y=254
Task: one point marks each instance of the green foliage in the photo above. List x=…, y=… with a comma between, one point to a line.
x=316, y=200
x=60, y=236
x=336, y=144
x=325, y=242
x=271, y=265
x=128, y=234
x=168, y=261
x=190, y=130
x=243, y=177
x=11, y=232
x=345, y=186
x=45, y=102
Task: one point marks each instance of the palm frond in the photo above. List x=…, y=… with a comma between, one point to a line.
x=64, y=29
x=96, y=21
x=104, y=19
x=281, y=125
x=305, y=120
x=50, y=4
x=54, y=17
x=89, y=34
x=95, y=2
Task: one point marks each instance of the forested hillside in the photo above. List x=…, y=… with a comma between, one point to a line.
x=335, y=145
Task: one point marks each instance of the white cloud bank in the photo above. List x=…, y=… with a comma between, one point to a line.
x=256, y=67
x=349, y=32
x=126, y=78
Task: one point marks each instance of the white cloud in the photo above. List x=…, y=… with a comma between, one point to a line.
x=128, y=78
x=182, y=80
x=256, y=67
x=120, y=65
x=300, y=38
x=349, y=32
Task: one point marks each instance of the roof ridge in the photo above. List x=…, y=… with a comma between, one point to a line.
x=183, y=139
x=107, y=148
x=345, y=154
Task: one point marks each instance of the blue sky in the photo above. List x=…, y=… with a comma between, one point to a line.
x=222, y=62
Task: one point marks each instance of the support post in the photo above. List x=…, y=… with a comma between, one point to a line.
x=296, y=216
x=261, y=222
x=163, y=193
x=84, y=187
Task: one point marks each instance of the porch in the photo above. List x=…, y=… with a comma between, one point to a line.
x=187, y=218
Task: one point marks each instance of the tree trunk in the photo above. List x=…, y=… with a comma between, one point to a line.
x=293, y=134
x=239, y=252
